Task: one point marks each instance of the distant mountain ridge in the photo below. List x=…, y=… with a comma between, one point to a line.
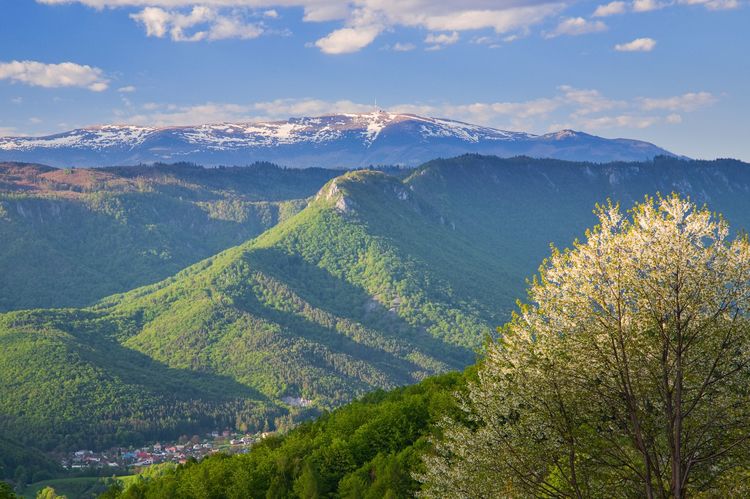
x=334, y=141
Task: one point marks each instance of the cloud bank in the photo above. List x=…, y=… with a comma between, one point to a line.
x=569, y=107
x=65, y=74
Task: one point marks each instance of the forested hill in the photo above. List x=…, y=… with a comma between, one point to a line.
x=378, y=282
x=367, y=449
x=70, y=237
x=23, y=463
x=512, y=209
x=372, y=447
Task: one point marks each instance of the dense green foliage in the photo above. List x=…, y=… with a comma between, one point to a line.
x=89, y=487
x=625, y=374
x=68, y=238
x=512, y=209
x=66, y=385
x=22, y=463
x=366, y=449
x=6, y=491
x=222, y=342
x=379, y=282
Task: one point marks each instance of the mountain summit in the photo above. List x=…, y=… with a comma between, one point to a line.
x=340, y=141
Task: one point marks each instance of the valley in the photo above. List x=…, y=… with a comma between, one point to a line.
x=316, y=249
x=376, y=281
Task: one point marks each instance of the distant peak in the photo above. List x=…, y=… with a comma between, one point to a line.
x=378, y=136
x=566, y=133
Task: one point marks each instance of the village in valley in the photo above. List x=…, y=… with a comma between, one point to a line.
x=195, y=447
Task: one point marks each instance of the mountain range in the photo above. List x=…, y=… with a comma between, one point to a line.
x=377, y=279
x=336, y=141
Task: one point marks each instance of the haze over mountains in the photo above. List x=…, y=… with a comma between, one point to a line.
x=373, y=281
x=335, y=141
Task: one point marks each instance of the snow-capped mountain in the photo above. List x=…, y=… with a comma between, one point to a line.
x=343, y=141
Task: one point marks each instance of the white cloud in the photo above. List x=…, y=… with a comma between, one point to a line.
x=621, y=7
x=17, y=100
x=155, y=20
x=438, y=41
x=403, y=47
x=455, y=18
x=569, y=107
x=228, y=27
x=674, y=118
x=610, y=9
x=648, y=5
x=362, y=20
x=201, y=23
x=714, y=4
x=637, y=45
x=576, y=26
x=66, y=74
x=588, y=101
x=127, y=89
x=620, y=121
x=685, y=102
x=157, y=114
x=347, y=40
x=442, y=38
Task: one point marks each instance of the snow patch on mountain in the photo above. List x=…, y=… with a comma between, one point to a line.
x=342, y=140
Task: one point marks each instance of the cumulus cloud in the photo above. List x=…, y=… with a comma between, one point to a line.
x=648, y=5
x=200, y=23
x=569, y=107
x=362, y=20
x=610, y=9
x=588, y=101
x=574, y=26
x=620, y=121
x=437, y=41
x=714, y=4
x=66, y=74
x=686, y=102
x=674, y=118
x=348, y=40
x=127, y=89
x=158, y=114
x=621, y=7
x=403, y=47
x=637, y=45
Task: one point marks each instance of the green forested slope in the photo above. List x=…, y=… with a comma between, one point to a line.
x=379, y=282
x=367, y=449
x=320, y=307
x=65, y=384
x=370, y=448
x=70, y=237
x=23, y=463
x=512, y=209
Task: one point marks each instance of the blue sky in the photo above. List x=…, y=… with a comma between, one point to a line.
x=673, y=72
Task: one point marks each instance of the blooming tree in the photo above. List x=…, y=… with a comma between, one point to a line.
x=626, y=375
